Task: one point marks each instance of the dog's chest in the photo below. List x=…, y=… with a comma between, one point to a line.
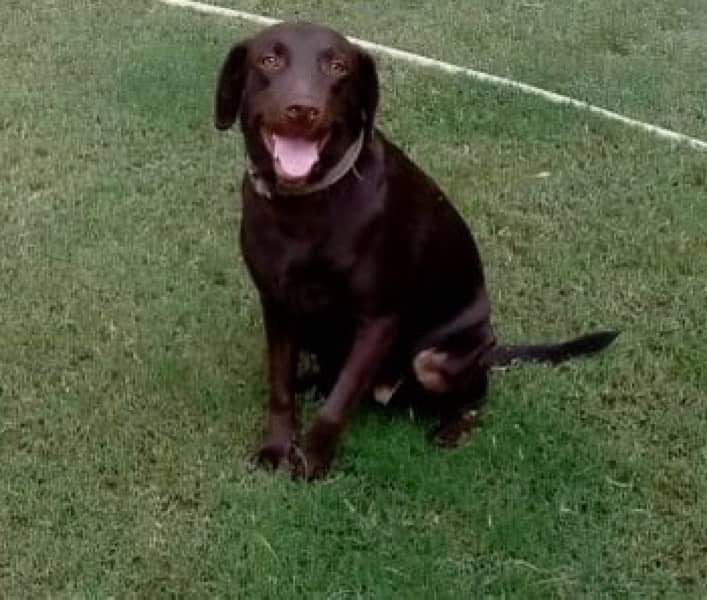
x=313, y=281
x=307, y=268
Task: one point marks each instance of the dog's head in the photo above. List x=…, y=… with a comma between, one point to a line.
x=304, y=95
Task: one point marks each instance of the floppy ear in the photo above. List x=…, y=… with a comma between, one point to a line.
x=229, y=89
x=368, y=89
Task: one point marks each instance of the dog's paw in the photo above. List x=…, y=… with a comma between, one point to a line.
x=274, y=452
x=271, y=457
x=455, y=431
x=312, y=459
x=307, y=465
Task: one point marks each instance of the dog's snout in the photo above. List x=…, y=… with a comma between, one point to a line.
x=302, y=114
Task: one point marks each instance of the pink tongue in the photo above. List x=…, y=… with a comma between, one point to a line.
x=295, y=156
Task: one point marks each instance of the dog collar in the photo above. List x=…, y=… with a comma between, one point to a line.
x=337, y=172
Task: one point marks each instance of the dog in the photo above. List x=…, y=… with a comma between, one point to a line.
x=358, y=256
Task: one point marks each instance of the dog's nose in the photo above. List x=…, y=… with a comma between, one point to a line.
x=299, y=113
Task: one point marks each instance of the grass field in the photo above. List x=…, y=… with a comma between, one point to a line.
x=131, y=356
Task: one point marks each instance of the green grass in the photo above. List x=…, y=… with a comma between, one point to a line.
x=132, y=378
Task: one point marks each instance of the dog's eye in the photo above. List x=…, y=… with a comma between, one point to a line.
x=337, y=68
x=270, y=62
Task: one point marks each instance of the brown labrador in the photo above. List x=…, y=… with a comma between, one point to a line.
x=357, y=255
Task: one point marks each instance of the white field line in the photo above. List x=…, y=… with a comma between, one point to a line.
x=424, y=61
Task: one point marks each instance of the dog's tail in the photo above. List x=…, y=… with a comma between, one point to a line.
x=504, y=356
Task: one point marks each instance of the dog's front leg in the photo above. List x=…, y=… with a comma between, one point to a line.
x=280, y=429
x=371, y=344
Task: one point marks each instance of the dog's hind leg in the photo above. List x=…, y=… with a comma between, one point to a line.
x=460, y=411
x=455, y=380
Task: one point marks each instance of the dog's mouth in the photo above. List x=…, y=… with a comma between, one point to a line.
x=294, y=157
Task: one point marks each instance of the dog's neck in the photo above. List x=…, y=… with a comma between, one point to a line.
x=337, y=172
